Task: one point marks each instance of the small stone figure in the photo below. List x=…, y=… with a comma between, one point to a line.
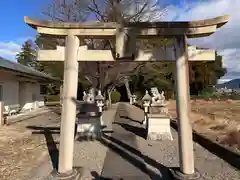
x=163, y=98
x=134, y=98
x=84, y=96
x=90, y=96
x=156, y=99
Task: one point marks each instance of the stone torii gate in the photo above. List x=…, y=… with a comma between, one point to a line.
x=126, y=36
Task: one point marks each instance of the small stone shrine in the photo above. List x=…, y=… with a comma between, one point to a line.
x=89, y=118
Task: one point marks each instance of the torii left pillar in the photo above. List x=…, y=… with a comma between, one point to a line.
x=68, y=117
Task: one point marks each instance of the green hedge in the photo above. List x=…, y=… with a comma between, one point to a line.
x=115, y=96
x=52, y=98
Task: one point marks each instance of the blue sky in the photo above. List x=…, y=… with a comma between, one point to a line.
x=15, y=10
x=14, y=31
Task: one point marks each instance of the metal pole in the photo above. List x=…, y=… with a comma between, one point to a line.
x=186, y=156
x=69, y=106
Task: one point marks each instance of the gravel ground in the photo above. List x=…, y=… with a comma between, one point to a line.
x=162, y=154
x=88, y=155
x=91, y=155
x=158, y=156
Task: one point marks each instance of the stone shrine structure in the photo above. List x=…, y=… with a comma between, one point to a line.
x=157, y=119
x=126, y=35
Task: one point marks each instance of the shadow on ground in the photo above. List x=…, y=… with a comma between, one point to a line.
x=51, y=144
x=113, y=143
x=55, y=109
x=230, y=157
x=129, y=118
x=139, y=131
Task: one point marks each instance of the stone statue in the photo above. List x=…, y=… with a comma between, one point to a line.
x=157, y=97
x=90, y=96
x=84, y=96
x=163, y=98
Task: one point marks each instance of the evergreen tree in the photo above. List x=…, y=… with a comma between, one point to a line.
x=27, y=56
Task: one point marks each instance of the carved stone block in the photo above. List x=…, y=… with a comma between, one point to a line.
x=158, y=127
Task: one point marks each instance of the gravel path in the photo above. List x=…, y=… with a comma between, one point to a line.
x=162, y=154
x=91, y=155
x=88, y=155
x=121, y=161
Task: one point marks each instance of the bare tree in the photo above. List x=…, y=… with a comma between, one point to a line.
x=105, y=75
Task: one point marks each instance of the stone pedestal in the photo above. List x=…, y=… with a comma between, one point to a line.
x=158, y=108
x=88, y=123
x=75, y=174
x=176, y=174
x=87, y=127
x=158, y=127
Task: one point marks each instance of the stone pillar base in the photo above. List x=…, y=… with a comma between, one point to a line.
x=176, y=174
x=74, y=175
x=158, y=127
x=159, y=136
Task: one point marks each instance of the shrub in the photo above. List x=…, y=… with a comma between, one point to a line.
x=115, y=96
x=52, y=98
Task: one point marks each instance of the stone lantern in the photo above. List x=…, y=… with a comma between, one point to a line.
x=146, y=103
x=99, y=100
x=134, y=98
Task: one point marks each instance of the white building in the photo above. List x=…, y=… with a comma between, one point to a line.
x=21, y=87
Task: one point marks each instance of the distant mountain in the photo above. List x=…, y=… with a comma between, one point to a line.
x=233, y=84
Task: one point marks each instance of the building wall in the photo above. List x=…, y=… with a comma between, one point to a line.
x=32, y=96
x=10, y=90
x=23, y=92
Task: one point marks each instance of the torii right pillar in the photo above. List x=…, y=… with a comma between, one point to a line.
x=185, y=142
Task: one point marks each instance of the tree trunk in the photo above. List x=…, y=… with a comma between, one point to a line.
x=109, y=91
x=109, y=97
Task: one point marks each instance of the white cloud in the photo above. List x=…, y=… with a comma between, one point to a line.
x=220, y=81
x=226, y=40
x=9, y=49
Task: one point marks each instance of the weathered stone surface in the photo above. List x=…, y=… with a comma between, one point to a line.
x=159, y=136
x=159, y=127
x=143, y=29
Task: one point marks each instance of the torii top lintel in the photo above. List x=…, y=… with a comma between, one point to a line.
x=95, y=29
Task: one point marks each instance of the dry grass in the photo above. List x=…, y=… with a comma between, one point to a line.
x=19, y=152
x=232, y=139
x=218, y=120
